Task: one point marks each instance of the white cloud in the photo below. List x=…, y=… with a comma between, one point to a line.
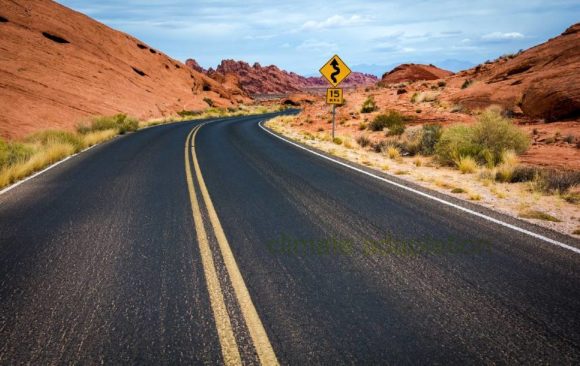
x=500, y=36
x=334, y=22
x=315, y=45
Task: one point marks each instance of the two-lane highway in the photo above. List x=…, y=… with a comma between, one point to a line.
x=222, y=243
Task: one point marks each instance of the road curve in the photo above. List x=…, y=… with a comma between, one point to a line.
x=101, y=262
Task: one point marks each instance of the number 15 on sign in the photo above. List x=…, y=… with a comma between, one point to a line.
x=334, y=96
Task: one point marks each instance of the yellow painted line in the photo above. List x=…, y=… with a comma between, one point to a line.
x=256, y=328
x=225, y=331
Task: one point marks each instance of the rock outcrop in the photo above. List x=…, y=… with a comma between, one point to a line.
x=541, y=82
x=59, y=67
x=414, y=72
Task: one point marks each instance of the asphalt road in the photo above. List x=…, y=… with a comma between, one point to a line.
x=101, y=261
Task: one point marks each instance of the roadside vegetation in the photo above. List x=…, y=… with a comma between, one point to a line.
x=477, y=162
x=26, y=156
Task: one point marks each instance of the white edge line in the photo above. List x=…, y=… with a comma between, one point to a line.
x=14, y=185
x=464, y=209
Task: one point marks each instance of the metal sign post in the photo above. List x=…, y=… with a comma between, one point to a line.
x=333, y=116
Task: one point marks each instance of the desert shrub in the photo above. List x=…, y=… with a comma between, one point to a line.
x=524, y=173
x=120, y=121
x=396, y=130
x=466, y=164
x=424, y=97
x=410, y=144
x=441, y=83
x=559, y=180
x=393, y=152
x=379, y=147
x=569, y=139
x=53, y=137
x=506, y=169
x=429, y=137
x=362, y=126
x=466, y=84
x=363, y=141
x=13, y=152
x=186, y=113
x=485, y=141
x=369, y=105
x=337, y=140
x=455, y=141
x=209, y=101
x=414, y=97
x=389, y=120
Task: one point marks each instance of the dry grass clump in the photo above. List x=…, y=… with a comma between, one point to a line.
x=466, y=164
x=41, y=159
x=538, y=215
x=96, y=137
x=393, y=152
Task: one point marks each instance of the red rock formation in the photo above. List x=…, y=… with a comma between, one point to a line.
x=59, y=67
x=257, y=79
x=194, y=65
x=414, y=72
x=544, y=81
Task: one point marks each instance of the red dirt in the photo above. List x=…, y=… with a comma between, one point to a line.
x=59, y=66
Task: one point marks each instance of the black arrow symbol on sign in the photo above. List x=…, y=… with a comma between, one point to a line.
x=334, y=65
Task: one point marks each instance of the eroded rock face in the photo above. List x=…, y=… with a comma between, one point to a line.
x=59, y=67
x=414, y=72
x=544, y=81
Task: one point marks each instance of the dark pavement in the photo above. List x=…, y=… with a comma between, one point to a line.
x=99, y=263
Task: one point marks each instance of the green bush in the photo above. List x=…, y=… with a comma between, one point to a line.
x=120, y=121
x=13, y=152
x=485, y=141
x=430, y=137
x=391, y=120
x=56, y=137
x=369, y=105
x=396, y=130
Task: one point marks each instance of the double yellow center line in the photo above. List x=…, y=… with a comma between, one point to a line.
x=228, y=343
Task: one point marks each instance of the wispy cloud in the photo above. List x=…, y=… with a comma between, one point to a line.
x=335, y=21
x=502, y=36
x=300, y=35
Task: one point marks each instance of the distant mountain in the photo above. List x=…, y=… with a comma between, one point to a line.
x=258, y=79
x=448, y=64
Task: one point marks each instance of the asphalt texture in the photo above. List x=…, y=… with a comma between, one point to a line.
x=99, y=263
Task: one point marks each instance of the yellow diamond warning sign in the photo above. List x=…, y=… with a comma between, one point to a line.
x=335, y=70
x=334, y=96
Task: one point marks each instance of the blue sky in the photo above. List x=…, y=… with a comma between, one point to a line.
x=301, y=35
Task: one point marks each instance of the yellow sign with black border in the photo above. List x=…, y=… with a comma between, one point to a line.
x=335, y=70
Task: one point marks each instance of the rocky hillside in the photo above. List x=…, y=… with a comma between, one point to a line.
x=59, y=67
x=257, y=79
x=541, y=82
x=414, y=72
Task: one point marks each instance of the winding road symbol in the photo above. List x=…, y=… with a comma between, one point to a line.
x=336, y=68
